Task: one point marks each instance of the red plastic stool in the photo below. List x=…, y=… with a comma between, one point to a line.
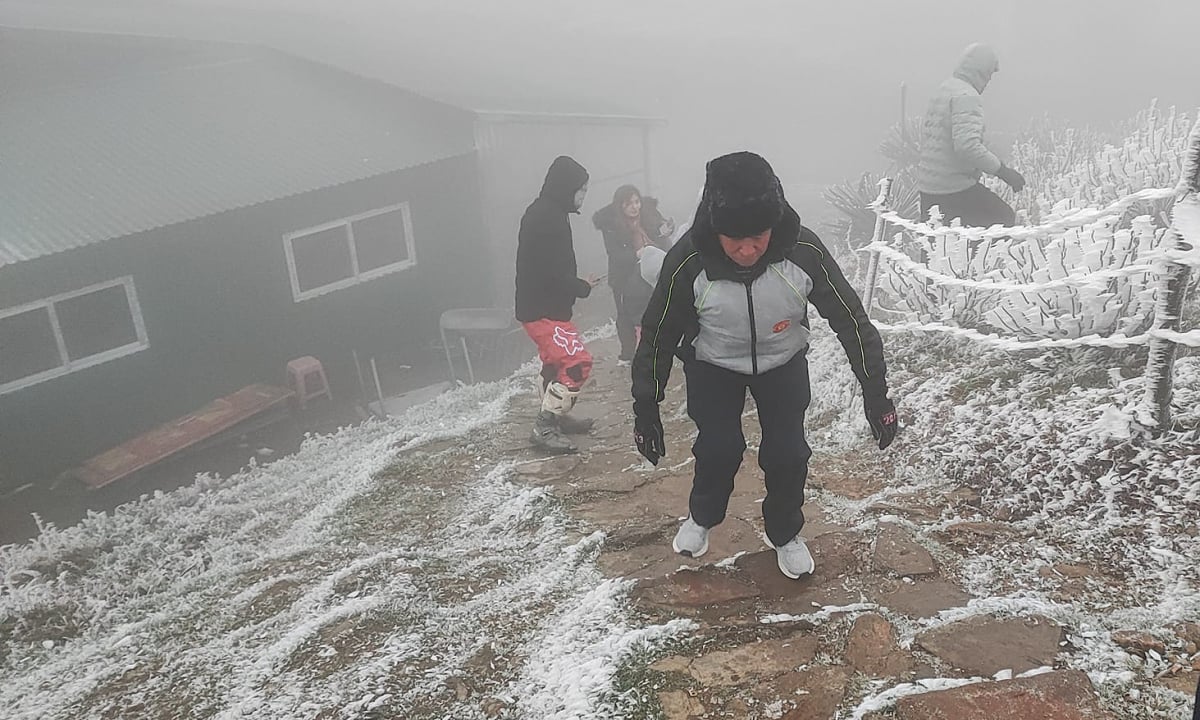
x=306, y=377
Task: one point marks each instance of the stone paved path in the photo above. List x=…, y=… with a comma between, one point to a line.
x=809, y=649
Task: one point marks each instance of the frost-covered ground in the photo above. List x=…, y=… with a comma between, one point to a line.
x=393, y=570
x=388, y=570
x=1051, y=444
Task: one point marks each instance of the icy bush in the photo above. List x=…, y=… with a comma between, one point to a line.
x=1080, y=277
x=1068, y=169
x=1113, y=303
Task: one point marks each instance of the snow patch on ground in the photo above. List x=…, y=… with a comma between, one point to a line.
x=362, y=573
x=1053, y=446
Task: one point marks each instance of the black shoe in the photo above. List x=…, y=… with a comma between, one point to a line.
x=547, y=435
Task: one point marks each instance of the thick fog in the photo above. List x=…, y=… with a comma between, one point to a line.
x=812, y=89
x=309, y=409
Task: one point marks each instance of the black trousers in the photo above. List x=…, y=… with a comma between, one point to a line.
x=631, y=303
x=976, y=206
x=626, y=324
x=716, y=398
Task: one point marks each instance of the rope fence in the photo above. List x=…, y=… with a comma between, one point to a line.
x=1164, y=262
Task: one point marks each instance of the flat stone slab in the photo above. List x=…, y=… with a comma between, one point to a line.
x=898, y=552
x=1139, y=643
x=643, y=562
x=646, y=531
x=697, y=588
x=754, y=661
x=985, y=645
x=678, y=705
x=1182, y=682
x=848, y=476
x=850, y=486
x=811, y=694
x=548, y=470
x=616, y=483
x=871, y=648
x=1065, y=695
x=920, y=599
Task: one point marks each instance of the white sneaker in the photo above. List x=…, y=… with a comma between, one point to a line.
x=793, y=557
x=691, y=540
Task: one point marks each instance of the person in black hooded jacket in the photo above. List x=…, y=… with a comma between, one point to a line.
x=734, y=291
x=630, y=224
x=547, y=286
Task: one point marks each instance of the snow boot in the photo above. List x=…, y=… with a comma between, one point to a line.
x=691, y=540
x=558, y=400
x=547, y=436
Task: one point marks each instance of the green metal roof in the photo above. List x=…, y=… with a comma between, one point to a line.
x=150, y=142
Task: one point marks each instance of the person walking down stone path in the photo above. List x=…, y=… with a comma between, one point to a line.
x=547, y=286
x=733, y=294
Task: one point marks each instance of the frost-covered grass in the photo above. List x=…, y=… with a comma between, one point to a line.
x=1052, y=446
x=371, y=574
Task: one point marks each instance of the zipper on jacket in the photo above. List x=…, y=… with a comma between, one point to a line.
x=753, y=331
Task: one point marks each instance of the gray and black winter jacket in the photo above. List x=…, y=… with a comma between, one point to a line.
x=751, y=320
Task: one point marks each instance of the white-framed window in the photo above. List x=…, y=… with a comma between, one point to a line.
x=349, y=251
x=68, y=332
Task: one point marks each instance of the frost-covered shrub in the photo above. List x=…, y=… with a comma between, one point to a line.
x=854, y=225
x=1069, y=169
x=1122, y=304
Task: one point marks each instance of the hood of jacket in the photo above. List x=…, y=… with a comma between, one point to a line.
x=977, y=65
x=719, y=266
x=563, y=180
x=610, y=217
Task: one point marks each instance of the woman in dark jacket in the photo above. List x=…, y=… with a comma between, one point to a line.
x=629, y=224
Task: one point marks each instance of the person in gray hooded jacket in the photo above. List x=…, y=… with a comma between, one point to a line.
x=953, y=154
x=732, y=299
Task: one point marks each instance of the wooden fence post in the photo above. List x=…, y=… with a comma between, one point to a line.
x=1160, y=366
x=885, y=191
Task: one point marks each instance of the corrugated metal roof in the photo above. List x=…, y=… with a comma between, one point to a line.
x=80, y=165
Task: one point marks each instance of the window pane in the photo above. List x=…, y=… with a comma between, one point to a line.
x=322, y=258
x=96, y=322
x=27, y=345
x=380, y=240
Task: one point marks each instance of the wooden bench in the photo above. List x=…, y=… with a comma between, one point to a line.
x=254, y=404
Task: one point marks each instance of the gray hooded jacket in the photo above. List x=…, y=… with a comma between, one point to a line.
x=953, y=156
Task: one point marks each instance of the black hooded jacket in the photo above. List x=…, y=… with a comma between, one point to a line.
x=618, y=242
x=796, y=271
x=547, y=276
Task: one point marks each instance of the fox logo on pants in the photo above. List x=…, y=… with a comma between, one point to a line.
x=567, y=340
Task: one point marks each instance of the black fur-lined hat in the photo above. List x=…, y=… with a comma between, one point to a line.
x=742, y=194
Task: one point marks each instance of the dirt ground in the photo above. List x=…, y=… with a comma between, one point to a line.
x=809, y=649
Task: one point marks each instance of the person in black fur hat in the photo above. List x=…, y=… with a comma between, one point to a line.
x=735, y=292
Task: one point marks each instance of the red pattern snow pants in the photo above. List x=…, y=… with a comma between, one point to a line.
x=560, y=348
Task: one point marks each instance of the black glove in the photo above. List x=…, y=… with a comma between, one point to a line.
x=881, y=416
x=1012, y=178
x=648, y=433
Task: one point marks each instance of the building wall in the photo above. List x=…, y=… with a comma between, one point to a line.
x=516, y=151
x=219, y=312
